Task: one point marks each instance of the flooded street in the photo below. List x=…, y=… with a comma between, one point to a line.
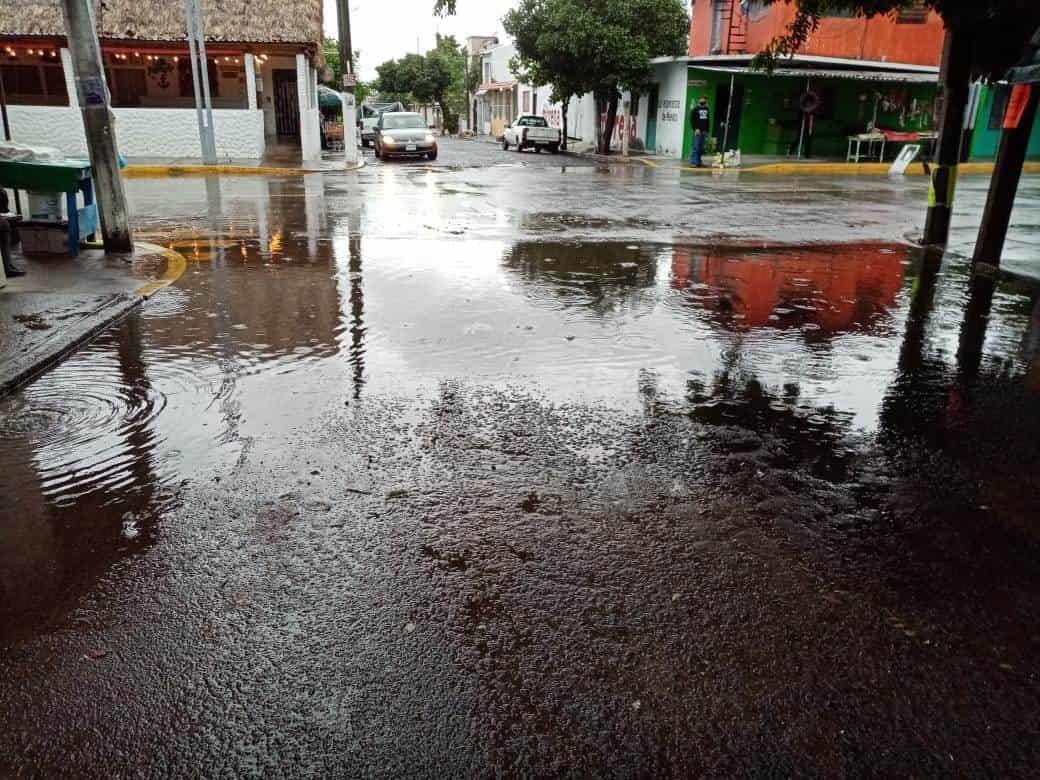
x=522, y=469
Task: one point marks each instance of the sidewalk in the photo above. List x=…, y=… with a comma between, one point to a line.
x=765, y=164
x=61, y=304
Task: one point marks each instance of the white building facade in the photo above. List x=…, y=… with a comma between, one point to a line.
x=654, y=121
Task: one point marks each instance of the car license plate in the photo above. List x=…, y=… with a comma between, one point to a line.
x=410, y=148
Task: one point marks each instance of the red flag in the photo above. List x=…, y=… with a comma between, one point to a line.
x=1017, y=106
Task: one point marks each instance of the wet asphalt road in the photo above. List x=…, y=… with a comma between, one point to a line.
x=493, y=469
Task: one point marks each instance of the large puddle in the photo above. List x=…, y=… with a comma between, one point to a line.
x=828, y=345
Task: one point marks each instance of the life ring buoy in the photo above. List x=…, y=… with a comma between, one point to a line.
x=810, y=102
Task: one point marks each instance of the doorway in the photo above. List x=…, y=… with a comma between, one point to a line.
x=722, y=106
x=651, y=119
x=286, y=103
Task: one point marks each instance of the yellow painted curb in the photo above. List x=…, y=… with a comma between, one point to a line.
x=173, y=171
x=175, y=265
x=868, y=169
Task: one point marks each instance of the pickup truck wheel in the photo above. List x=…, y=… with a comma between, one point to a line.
x=505, y=145
x=555, y=148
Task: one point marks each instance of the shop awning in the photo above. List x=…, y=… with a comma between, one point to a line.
x=901, y=77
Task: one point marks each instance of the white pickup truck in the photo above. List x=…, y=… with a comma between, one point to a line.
x=531, y=132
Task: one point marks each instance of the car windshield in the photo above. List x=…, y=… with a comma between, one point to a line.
x=533, y=121
x=403, y=122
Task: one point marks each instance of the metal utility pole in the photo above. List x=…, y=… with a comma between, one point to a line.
x=203, y=103
x=1011, y=155
x=98, y=122
x=347, y=96
x=729, y=116
x=3, y=109
x=955, y=86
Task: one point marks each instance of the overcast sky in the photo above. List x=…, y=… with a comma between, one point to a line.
x=387, y=29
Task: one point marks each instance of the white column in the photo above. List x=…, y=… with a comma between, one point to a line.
x=250, y=81
x=307, y=87
x=350, y=148
x=70, y=78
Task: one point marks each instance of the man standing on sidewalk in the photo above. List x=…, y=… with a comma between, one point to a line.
x=700, y=120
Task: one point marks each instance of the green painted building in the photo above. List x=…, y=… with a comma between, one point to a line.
x=766, y=116
x=988, y=122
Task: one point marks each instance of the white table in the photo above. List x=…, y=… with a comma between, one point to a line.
x=869, y=139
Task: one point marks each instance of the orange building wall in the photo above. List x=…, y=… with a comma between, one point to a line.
x=880, y=38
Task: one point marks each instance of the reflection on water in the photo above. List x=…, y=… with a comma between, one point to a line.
x=287, y=312
x=81, y=449
x=826, y=289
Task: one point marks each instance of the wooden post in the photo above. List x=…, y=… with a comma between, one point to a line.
x=955, y=86
x=98, y=122
x=1011, y=156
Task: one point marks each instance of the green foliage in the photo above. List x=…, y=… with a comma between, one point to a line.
x=599, y=46
x=475, y=75
x=439, y=77
x=1000, y=29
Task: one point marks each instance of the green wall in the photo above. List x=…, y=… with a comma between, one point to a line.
x=985, y=140
x=700, y=82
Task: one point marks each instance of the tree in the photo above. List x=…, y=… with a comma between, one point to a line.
x=444, y=81
x=437, y=77
x=542, y=58
x=598, y=46
x=474, y=78
x=395, y=79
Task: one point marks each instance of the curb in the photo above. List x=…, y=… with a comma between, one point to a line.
x=111, y=311
x=854, y=169
x=174, y=171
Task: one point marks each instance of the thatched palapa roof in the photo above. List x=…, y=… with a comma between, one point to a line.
x=238, y=21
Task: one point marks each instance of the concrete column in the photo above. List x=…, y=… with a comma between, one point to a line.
x=250, y=64
x=70, y=78
x=98, y=125
x=307, y=87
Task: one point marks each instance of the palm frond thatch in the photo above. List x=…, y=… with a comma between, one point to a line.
x=239, y=21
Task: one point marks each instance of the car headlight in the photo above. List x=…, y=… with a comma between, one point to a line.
x=389, y=139
x=429, y=138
